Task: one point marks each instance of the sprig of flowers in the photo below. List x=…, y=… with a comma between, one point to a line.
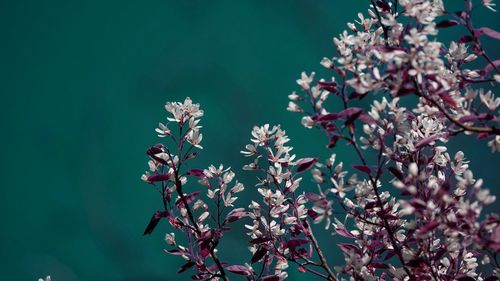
x=409, y=209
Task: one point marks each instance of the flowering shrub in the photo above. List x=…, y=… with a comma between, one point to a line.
x=409, y=210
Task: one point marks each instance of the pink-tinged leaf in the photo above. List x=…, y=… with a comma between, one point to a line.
x=236, y=214
x=363, y=168
x=490, y=67
x=196, y=173
x=192, y=196
x=348, y=248
x=301, y=269
x=430, y=226
x=270, y=278
x=351, y=114
x=481, y=136
x=447, y=23
x=467, y=278
x=311, y=213
x=466, y=39
x=155, y=219
x=397, y=173
x=191, y=155
x=326, y=117
x=305, y=164
x=379, y=265
x=365, y=118
x=152, y=151
x=384, y=6
x=495, y=236
x=426, y=141
x=389, y=49
x=174, y=252
x=158, y=177
x=238, y=269
x=205, y=249
x=406, y=89
x=473, y=117
x=448, y=99
x=344, y=232
x=260, y=240
x=416, y=263
x=488, y=32
x=259, y=254
x=186, y=266
x=294, y=243
x=333, y=141
x=328, y=86
x=200, y=276
x=437, y=256
x=418, y=204
x=390, y=254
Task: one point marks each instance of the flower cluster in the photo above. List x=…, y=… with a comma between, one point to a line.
x=408, y=209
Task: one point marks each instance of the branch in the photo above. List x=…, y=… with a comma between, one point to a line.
x=324, y=263
x=489, y=130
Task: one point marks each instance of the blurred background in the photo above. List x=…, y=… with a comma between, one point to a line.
x=83, y=84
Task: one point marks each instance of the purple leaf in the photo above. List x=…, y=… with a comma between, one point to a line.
x=344, y=232
x=186, y=266
x=446, y=23
x=473, y=117
x=270, y=278
x=448, y=99
x=196, y=173
x=397, y=173
x=305, y=164
x=158, y=177
x=384, y=6
x=388, y=49
x=259, y=254
x=190, y=197
x=155, y=219
x=333, y=141
x=238, y=269
x=348, y=248
x=294, y=243
x=390, y=254
x=415, y=262
x=351, y=114
x=427, y=140
x=430, y=226
x=380, y=265
x=365, y=118
x=328, y=86
x=466, y=39
x=152, y=151
x=466, y=278
x=363, y=168
x=236, y=214
x=490, y=67
x=260, y=240
x=326, y=117
x=488, y=32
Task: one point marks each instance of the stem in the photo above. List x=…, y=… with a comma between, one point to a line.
x=178, y=185
x=386, y=225
x=492, y=130
x=324, y=263
x=384, y=28
x=470, y=28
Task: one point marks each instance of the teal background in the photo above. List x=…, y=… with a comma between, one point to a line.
x=82, y=87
